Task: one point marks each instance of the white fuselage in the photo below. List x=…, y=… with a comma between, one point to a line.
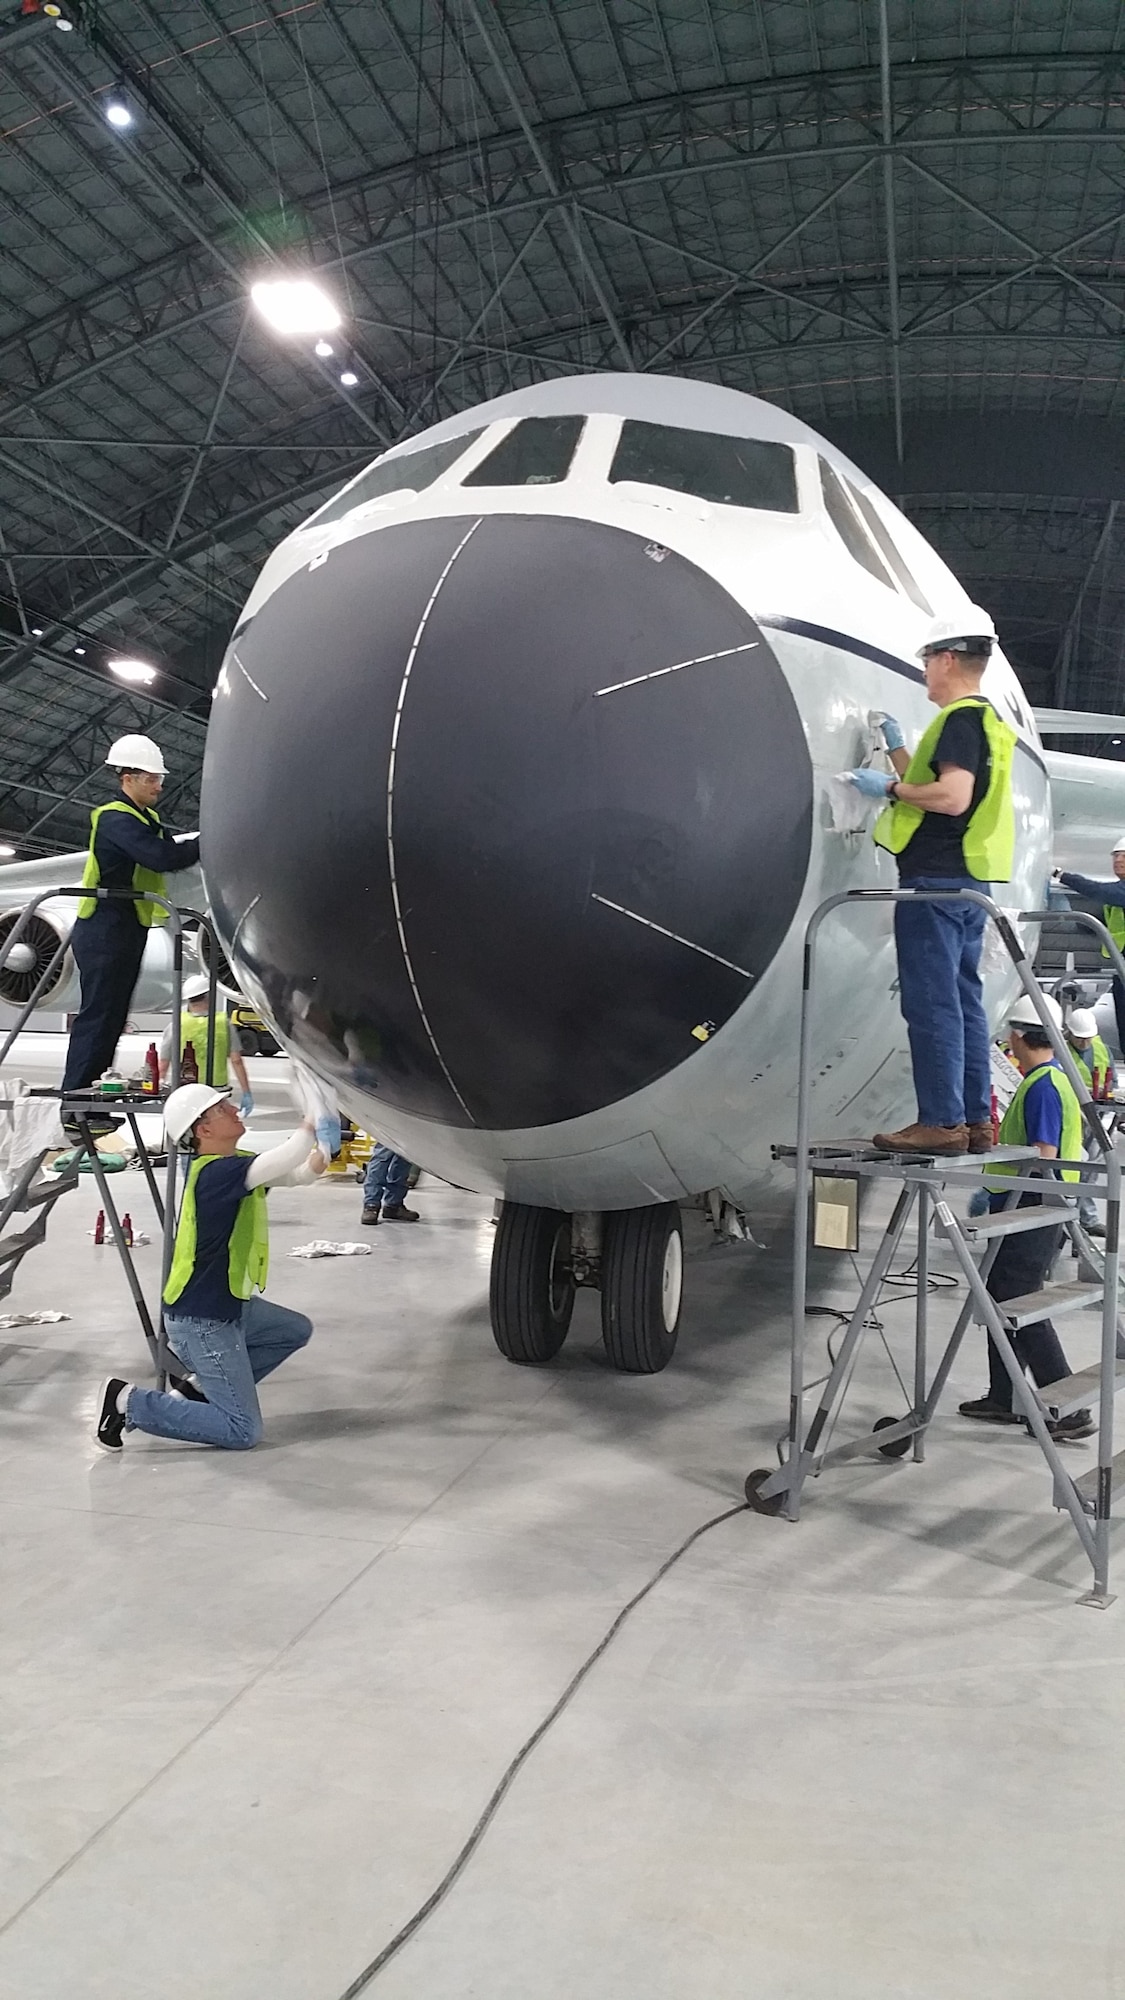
x=846, y=644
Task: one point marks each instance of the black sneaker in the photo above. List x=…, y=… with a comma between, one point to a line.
x=111, y=1424
x=988, y=1413
x=370, y=1217
x=182, y=1385
x=1071, y=1430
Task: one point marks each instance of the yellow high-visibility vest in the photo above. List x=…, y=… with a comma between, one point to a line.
x=989, y=840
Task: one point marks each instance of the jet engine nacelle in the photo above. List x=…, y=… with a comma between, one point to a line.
x=48, y=927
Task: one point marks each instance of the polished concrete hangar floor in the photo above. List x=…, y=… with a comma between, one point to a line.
x=251, y=1706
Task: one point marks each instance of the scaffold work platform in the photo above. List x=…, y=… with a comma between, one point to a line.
x=830, y=1177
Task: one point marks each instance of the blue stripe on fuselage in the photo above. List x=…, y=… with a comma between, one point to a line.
x=847, y=644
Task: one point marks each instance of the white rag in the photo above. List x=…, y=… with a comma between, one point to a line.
x=320, y=1247
x=28, y=1126
x=31, y=1319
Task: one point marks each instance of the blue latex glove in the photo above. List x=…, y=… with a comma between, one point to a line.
x=978, y=1202
x=328, y=1136
x=873, y=784
x=892, y=733
x=245, y=1104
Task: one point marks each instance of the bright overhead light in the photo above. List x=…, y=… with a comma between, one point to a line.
x=349, y=378
x=37, y=631
x=324, y=348
x=6, y=852
x=295, y=305
x=119, y=114
x=137, y=671
x=81, y=651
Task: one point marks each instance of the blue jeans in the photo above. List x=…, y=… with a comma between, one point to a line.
x=940, y=996
x=228, y=1358
x=384, y=1183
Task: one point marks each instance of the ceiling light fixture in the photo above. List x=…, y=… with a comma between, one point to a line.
x=295, y=305
x=324, y=348
x=37, y=631
x=6, y=852
x=119, y=115
x=81, y=652
x=137, y=671
x=349, y=379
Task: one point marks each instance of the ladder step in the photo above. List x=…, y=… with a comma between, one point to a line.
x=1077, y=1392
x=1051, y=1299
x=1087, y=1486
x=1013, y=1221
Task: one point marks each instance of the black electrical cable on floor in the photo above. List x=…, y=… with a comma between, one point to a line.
x=438, y=1895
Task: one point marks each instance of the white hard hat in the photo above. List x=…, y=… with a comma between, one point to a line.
x=1023, y=1012
x=137, y=753
x=197, y=986
x=970, y=631
x=1083, y=1022
x=187, y=1104
x=1118, y=845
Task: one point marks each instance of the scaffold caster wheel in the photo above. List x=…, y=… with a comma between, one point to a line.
x=898, y=1447
x=773, y=1504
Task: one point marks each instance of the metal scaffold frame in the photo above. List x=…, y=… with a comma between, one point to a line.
x=923, y=1184
x=83, y=1105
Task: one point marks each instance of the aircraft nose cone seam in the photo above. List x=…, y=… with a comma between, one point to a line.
x=392, y=765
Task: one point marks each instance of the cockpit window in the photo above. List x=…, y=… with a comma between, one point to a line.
x=536, y=452
x=882, y=535
x=413, y=469
x=848, y=525
x=734, y=472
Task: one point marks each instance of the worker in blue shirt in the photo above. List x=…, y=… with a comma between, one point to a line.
x=129, y=849
x=1111, y=896
x=1044, y=1113
x=950, y=822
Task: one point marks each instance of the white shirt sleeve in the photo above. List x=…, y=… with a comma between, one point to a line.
x=282, y=1162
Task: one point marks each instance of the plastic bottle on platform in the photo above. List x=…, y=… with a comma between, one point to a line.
x=152, y=1070
x=189, y=1067
x=127, y=1229
x=995, y=1115
x=99, y=1227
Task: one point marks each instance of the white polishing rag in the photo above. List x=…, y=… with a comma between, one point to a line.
x=320, y=1247
x=31, y=1319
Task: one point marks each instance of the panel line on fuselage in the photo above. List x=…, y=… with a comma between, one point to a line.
x=674, y=935
x=702, y=660
x=407, y=671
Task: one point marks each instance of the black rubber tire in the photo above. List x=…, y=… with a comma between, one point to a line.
x=531, y=1291
x=249, y=1041
x=636, y=1245
x=899, y=1447
x=776, y=1501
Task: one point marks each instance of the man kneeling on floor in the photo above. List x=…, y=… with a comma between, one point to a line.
x=225, y=1337
x=1044, y=1114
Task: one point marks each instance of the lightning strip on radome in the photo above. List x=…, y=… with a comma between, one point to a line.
x=659, y=672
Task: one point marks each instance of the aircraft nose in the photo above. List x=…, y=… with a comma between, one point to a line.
x=503, y=815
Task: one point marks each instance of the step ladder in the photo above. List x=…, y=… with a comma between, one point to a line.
x=924, y=1187
x=39, y=1198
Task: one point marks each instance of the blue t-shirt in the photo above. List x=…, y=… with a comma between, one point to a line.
x=1043, y=1123
x=219, y=1188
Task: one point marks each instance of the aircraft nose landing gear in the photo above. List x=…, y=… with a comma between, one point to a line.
x=634, y=1257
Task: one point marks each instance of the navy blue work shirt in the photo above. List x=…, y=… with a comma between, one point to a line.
x=219, y=1187
x=123, y=843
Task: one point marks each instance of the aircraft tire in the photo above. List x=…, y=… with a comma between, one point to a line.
x=531, y=1290
x=642, y=1287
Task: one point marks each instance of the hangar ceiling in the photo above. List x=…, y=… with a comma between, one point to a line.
x=904, y=223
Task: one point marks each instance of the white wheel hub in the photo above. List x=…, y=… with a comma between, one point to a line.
x=672, y=1280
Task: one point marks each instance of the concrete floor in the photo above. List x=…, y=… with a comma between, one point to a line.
x=252, y=1705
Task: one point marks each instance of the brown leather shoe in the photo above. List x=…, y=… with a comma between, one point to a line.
x=939, y=1139
x=980, y=1136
